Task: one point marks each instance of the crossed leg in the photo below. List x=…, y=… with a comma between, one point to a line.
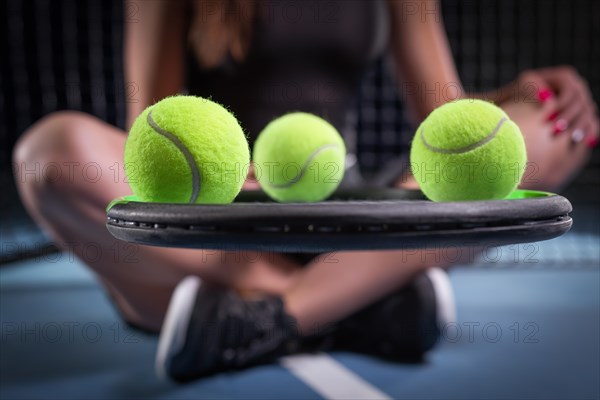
x=86, y=155
x=68, y=167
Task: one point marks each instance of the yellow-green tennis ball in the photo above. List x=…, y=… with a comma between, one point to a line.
x=186, y=149
x=468, y=150
x=299, y=157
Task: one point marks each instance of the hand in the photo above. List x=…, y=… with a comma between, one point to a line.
x=558, y=118
x=567, y=101
x=552, y=161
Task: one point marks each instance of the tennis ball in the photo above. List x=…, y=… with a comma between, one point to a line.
x=186, y=149
x=468, y=150
x=299, y=157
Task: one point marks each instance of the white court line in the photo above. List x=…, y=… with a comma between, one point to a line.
x=331, y=379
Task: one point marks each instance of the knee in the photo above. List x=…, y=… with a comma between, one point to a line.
x=43, y=153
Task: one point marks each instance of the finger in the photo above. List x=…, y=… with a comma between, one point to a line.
x=559, y=126
x=557, y=76
x=576, y=153
x=550, y=109
x=567, y=84
x=568, y=93
x=585, y=131
x=571, y=116
x=592, y=142
x=531, y=87
x=592, y=129
x=577, y=135
x=580, y=127
x=546, y=97
x=544, y=94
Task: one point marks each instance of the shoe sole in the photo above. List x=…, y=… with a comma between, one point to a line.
x=174, y=328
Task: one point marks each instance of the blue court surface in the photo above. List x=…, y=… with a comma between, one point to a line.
x=528, y=328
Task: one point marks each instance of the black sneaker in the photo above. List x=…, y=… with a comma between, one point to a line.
x=404, y=325
x=209, y=330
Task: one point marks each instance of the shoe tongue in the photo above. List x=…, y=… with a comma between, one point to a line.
x=258, y=330
x=250, y=320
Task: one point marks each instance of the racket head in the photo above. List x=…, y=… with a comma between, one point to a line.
x=352, y=219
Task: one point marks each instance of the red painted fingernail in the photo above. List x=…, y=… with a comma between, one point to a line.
x=592, y=142
x=544, y=94
x=560, y=126
x=552, y=116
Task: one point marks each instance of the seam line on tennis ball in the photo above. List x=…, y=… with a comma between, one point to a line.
x=465, y=149
x=297, y=178
x=186, y=153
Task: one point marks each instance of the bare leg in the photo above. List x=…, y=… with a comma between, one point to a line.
x=339, y=284
x=68, y=167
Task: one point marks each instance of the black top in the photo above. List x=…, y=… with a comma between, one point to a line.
x=304, y=56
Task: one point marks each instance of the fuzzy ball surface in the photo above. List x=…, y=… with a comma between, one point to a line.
x=468, y=150
x=186, y=149
x=299, y=157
